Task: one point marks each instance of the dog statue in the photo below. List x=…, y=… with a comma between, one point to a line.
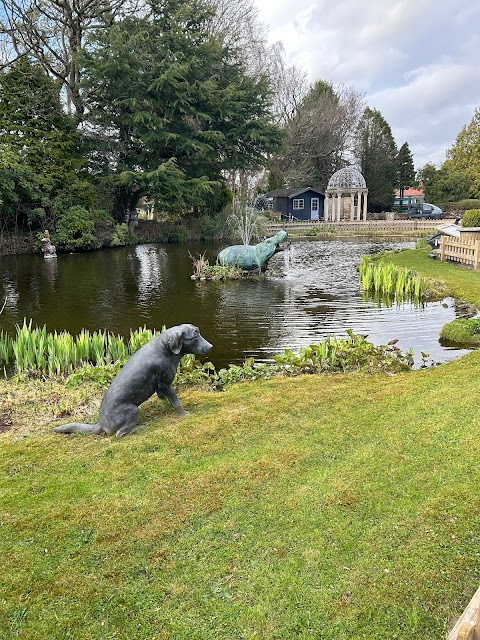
x=150, y=370
x=251, y=257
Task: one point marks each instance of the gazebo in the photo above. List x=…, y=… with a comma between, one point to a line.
x=347, y=184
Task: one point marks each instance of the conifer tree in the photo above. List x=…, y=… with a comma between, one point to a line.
x=171, y=109
x=376, y=152
x=405, y=168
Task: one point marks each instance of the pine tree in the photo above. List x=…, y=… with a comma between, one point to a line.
x=40, y=148
x=376, y=152
x=33, y=124
x=172, y=109
x=404, y=168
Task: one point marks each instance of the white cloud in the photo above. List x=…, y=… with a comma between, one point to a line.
x=416, y=60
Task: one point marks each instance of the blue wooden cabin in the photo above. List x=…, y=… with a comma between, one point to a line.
x=306, y=203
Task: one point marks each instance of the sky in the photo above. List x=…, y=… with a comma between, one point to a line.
x=416, y=61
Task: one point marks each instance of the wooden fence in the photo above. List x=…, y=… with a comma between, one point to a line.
x=394, y=226
x=462, y=250
x=468, y=625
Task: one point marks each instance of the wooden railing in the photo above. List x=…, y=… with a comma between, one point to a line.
x=468, y=625
x=460, y=250
x=369, y=225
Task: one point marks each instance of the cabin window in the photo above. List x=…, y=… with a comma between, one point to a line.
x=298, y=204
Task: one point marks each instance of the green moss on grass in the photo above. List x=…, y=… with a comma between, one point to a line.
x=462, y=331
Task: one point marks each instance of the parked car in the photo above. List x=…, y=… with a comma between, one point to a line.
x=425, y=211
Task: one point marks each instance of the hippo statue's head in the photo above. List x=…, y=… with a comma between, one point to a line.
x=277, y=238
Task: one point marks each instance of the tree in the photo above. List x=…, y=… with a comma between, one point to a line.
x=464, y=156
x=171, y=110
x=319, y=135
x=443, y=185
x=377, y=152
x=53, y=33
x=405, y=169
x=39, y=143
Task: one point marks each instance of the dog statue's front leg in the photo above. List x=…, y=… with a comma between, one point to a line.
x=170, y=394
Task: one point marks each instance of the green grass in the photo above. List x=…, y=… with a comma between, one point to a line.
x=318, y=507
x=462, y=331
x=462, y=283
x=337, y=507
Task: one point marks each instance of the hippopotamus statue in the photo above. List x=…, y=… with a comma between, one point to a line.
x=251, y=257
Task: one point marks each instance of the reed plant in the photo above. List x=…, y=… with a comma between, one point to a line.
x=6, y=352
x=385, y=281
x=35, y=351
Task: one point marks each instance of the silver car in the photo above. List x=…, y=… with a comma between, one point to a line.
x=425, y=211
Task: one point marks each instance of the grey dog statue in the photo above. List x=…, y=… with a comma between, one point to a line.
x=150, y=370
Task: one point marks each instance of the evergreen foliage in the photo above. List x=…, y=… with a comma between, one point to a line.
x=40, y=148
x=405, y=168
x=377, y=152
x=471, y=218
x=444, y=184
x=318, y=137
x=173, y=109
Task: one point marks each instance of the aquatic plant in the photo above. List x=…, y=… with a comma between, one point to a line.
x=34, y=351
x=386, y=281
x=6, y=352
x=98, y=356
x=204, y=270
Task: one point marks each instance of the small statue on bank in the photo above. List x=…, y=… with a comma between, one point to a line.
x=48, y=249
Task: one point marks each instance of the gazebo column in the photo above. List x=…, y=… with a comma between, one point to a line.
x=364, y=207
x=359, y=205
x=339, y=206
x=352, y=206
x=328, y=207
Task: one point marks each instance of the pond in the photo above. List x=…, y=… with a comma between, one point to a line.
x=302, y=300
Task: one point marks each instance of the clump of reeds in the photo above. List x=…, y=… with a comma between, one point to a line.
x=204, y=270
x=389, y=282
x=34, y=350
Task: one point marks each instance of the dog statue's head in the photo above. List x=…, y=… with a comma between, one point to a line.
x=186, y=338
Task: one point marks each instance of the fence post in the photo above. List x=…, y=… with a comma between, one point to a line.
x=443, y=241
x=476, y=256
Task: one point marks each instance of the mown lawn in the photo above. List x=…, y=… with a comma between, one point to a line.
x=319, y=507
x=463, y=283
x=333, y=507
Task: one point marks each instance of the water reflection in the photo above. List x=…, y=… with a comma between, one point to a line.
x=308, y=294
x=152, y=269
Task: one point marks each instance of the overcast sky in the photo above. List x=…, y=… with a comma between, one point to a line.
x=416, y=61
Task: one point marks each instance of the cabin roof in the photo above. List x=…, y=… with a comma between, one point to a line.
x=293, y=192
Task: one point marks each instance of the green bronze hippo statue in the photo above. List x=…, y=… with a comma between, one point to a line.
x=251, y=257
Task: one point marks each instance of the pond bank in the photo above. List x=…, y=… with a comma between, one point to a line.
x=325, y=503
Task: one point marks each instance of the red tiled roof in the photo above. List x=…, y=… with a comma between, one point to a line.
x=410, y=192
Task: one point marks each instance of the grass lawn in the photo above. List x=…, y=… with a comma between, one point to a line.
x=319, y=507
x=463, y=283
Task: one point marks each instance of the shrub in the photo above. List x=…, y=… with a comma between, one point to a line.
x=456, y=207
x=471, y=218
x=119, y=235
x=76, y=230
x=469, y=204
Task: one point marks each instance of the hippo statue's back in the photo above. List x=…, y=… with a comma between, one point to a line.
x=239, y=255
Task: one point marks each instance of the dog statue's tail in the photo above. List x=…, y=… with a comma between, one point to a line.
x=79, y=427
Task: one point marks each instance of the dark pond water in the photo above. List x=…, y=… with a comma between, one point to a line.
x=315, y=295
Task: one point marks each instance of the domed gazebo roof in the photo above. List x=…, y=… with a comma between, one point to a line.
x=347, y=179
